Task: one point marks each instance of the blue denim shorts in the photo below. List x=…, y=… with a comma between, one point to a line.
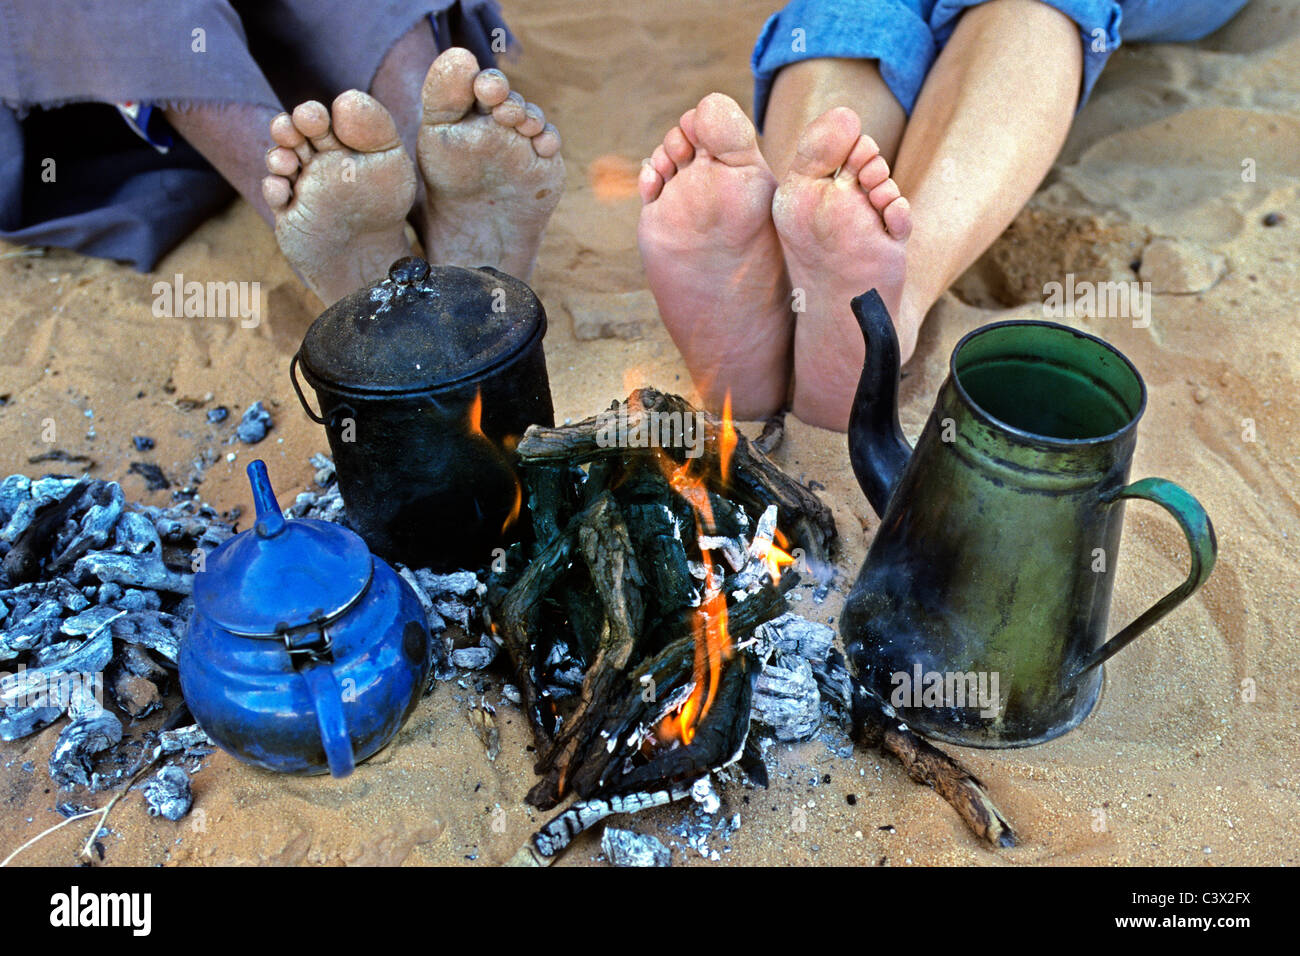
x=907, y=35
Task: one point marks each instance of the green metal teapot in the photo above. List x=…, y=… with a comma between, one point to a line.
x=980, y=612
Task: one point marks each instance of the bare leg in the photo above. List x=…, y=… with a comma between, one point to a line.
x=804, y=91
x=234, y=138
x=977, y=146
x=397, y=85
x=972, y=154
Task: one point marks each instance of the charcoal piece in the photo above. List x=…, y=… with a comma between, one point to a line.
x=167, y=793
x=455, y=584
x=108, y=593
x=142, y=443
x=14, y=490
x=88, y=622
x=629, y=848
x=324, y=466
x=254, y=424
x=190, y=740
x=32, y=545
x=658, y=537
x=96, y=524
x=556, y=834
x=793, y=634
x=36, y=626
x=29, y=685
x=473, y=658
x=218, y=415
x=134, y=599
x=153, y=476
x=74, y=752
x=159, y=631
x=54, y=653
x=834, y=682
x=453, y=612
x=136, y=660
x=786, y=699
x=19, y=722
x=773, y=433
x=134, y=571
x=137, y=534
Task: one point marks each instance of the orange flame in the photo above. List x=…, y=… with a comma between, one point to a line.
x=476, y=414
x=713, y=643
x=509, y=444
x=726, y=439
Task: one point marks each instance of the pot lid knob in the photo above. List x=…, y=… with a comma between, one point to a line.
x=410, y=270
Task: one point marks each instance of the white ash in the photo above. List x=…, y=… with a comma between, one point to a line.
x=629, y=848
x=702, y=793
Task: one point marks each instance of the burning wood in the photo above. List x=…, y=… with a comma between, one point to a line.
x=654, y=566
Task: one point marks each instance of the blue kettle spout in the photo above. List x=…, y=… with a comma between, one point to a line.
x=270, y=519
x=877, y=449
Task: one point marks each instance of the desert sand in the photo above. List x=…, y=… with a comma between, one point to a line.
x=1187, y=147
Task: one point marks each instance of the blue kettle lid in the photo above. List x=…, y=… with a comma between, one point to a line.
x=281, y=574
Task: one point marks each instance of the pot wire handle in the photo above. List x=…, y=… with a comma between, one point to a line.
x=1191, y=517
x=333, y=724
x=302, y=399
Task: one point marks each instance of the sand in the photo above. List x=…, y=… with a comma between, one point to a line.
x=1175, y=766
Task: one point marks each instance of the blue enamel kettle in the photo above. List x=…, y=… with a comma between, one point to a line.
x=305, y=652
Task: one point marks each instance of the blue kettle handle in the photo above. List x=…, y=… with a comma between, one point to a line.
x=328, y=701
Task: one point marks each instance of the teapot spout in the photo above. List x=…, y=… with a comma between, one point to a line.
x=877, y=448
x=270, y=520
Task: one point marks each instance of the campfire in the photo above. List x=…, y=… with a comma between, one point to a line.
x=650, y=603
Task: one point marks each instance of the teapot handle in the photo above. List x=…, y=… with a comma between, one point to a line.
x=328, y=701
x=1191, y=517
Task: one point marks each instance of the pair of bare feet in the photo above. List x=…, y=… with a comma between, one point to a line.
x=753, y=277
x=342, y=185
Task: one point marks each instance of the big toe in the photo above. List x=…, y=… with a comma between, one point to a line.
x=448, y=90
x=721, y=127
x=826, y=143
x=361, y=122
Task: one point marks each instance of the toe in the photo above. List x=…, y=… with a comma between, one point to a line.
x=547, y=143
x=276, y=191
x=664, y=166
x=282, y=161
x=510, y=111
x=448, y=91
x=491, y=89
x=864, y=151
x=649, y=182
x=875, y=172
x=678, y=148
x=285, y=134
x=312, y=119
x=826, y=142
x=534, y=120
x=898, y=218
x=722, y=128
x=361, y=123
x=884, y=194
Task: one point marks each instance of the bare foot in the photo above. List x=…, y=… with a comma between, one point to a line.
x=341, y=188
x=491, y=167
x=844, y=228
x=713, y=259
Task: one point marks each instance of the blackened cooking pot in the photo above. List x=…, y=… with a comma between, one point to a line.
x=425, y=380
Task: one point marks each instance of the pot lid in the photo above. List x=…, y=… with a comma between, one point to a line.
x=420, y=327
x=281, y=574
